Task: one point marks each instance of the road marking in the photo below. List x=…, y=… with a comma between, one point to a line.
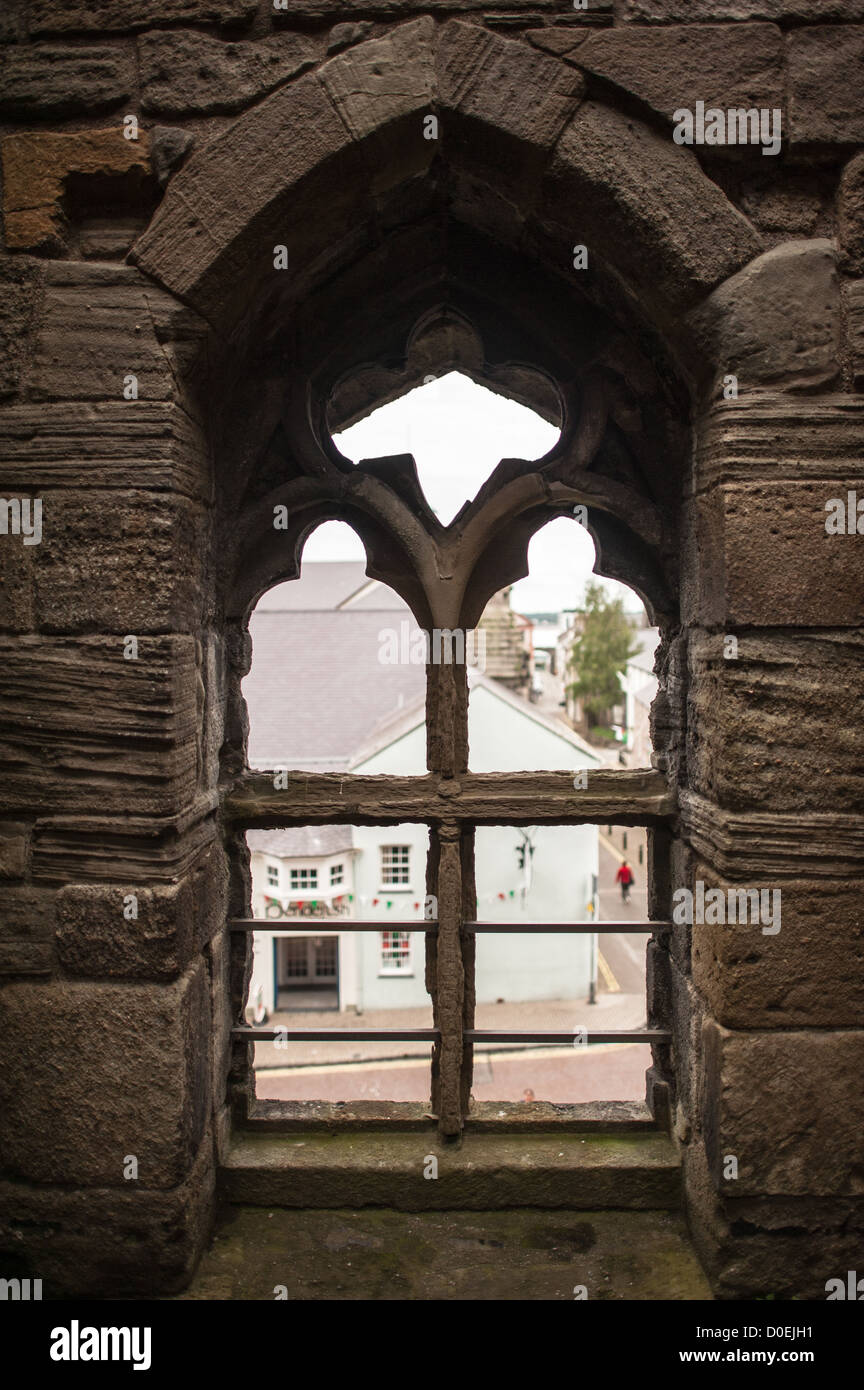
x=605, y=969
x=607, y=844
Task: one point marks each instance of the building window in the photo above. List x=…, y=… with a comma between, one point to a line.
x=395, y=866
x=272, y=876
x=337, y=874
x=304, y=878
x=395, y=952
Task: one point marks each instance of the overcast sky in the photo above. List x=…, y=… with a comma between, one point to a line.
x=458, y=431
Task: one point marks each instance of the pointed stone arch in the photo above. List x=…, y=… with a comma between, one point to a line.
x=554, y=159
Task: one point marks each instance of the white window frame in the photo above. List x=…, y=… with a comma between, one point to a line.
x=310, y=870
x=406, y=966
x=401, y=885
x=337, y=875
x=271, y=870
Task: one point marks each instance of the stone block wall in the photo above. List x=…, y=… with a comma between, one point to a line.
x=138, y=339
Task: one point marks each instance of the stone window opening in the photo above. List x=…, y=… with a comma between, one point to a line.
x=453, y=803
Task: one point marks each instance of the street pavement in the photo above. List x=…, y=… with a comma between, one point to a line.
x=624, y=955
x=562, y=1075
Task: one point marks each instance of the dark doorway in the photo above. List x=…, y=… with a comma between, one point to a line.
x=307, y=972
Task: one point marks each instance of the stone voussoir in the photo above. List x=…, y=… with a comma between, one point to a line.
x=644, y=204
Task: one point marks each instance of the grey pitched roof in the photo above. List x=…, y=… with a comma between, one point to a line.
x=325, y=585
x=302, y=841
x=317, y=690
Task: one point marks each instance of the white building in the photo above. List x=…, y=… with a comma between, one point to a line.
x=640, y=686
x=316, y=688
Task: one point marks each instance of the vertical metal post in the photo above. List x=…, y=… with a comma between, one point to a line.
x=468, y=944
x=447, y=754
x=449, y=978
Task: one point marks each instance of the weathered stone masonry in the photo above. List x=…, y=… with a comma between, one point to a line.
x=153, y=259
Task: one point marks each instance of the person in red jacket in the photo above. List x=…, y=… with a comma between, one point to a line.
x=624, y=876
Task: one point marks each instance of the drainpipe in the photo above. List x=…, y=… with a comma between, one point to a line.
x=359, y=938
x=593, y=909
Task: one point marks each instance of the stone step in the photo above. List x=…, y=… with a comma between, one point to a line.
x=482, y=1172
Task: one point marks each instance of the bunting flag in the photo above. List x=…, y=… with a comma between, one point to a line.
x=362, y=900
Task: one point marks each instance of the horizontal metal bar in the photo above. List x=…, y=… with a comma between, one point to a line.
x=336, y=1034
x=476, y=1035
x=576, y=927
x=314, y=926
x=640, y=1035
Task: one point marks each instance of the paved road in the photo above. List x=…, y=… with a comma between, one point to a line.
x=555, y=1074
x=625, y=955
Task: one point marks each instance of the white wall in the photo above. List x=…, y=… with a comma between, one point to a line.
x=509, y=966
x=376, y=990
x=263, y=972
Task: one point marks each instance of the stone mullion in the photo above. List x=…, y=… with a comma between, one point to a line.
x=446, y=717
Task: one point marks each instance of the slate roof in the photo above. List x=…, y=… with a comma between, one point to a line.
x=325, y=585
x=302, y=841
x=317, y=691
